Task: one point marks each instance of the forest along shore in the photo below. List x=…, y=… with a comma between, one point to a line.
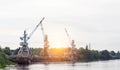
x=4, y=60
x=83, y=54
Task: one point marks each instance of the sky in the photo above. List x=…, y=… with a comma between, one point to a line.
x=87, y=21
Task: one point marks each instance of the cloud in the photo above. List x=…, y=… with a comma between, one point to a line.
x=86, y=20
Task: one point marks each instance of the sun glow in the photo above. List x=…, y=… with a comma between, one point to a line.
x=57, y=41
x=57, y=45
x=58, y=52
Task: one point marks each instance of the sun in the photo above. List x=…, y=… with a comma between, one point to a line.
x=57, y=45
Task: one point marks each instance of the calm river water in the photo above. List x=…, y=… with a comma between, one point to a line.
x=97, y=65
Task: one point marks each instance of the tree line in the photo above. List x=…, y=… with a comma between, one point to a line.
x=82, y=54
x=91, y=55
x=4, y=60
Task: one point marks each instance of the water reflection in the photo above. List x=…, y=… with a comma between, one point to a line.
x=46, y=67
x=22, y=67
x=98, y=65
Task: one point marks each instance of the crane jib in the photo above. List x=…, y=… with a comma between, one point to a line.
x=35, y=28
x=67, y=35
x=40, y=22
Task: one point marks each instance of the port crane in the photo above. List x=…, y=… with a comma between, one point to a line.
x=25, y=56
x=25, y=53
x=24, y=39
x=72, y=53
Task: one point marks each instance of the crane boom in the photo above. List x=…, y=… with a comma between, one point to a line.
x=42, y=31
x=68, y=35
x=35, y=28
x=73, y=52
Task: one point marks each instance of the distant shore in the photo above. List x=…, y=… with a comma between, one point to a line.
x=83, y=54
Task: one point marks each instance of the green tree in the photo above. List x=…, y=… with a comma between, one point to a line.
x=112, y=53
x=96, y=54
x=16, y=51
x=6, y=50
x=0, y=49
x=81, y=54
x=105, y=55
x=87, y=47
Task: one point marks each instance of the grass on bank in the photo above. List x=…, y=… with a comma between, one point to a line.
x=4, y=61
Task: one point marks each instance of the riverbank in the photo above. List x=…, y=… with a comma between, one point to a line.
x=4, y=61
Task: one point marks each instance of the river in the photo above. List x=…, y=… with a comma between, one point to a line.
x=96, y=65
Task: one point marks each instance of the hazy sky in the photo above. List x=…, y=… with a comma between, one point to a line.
x=87, y=21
